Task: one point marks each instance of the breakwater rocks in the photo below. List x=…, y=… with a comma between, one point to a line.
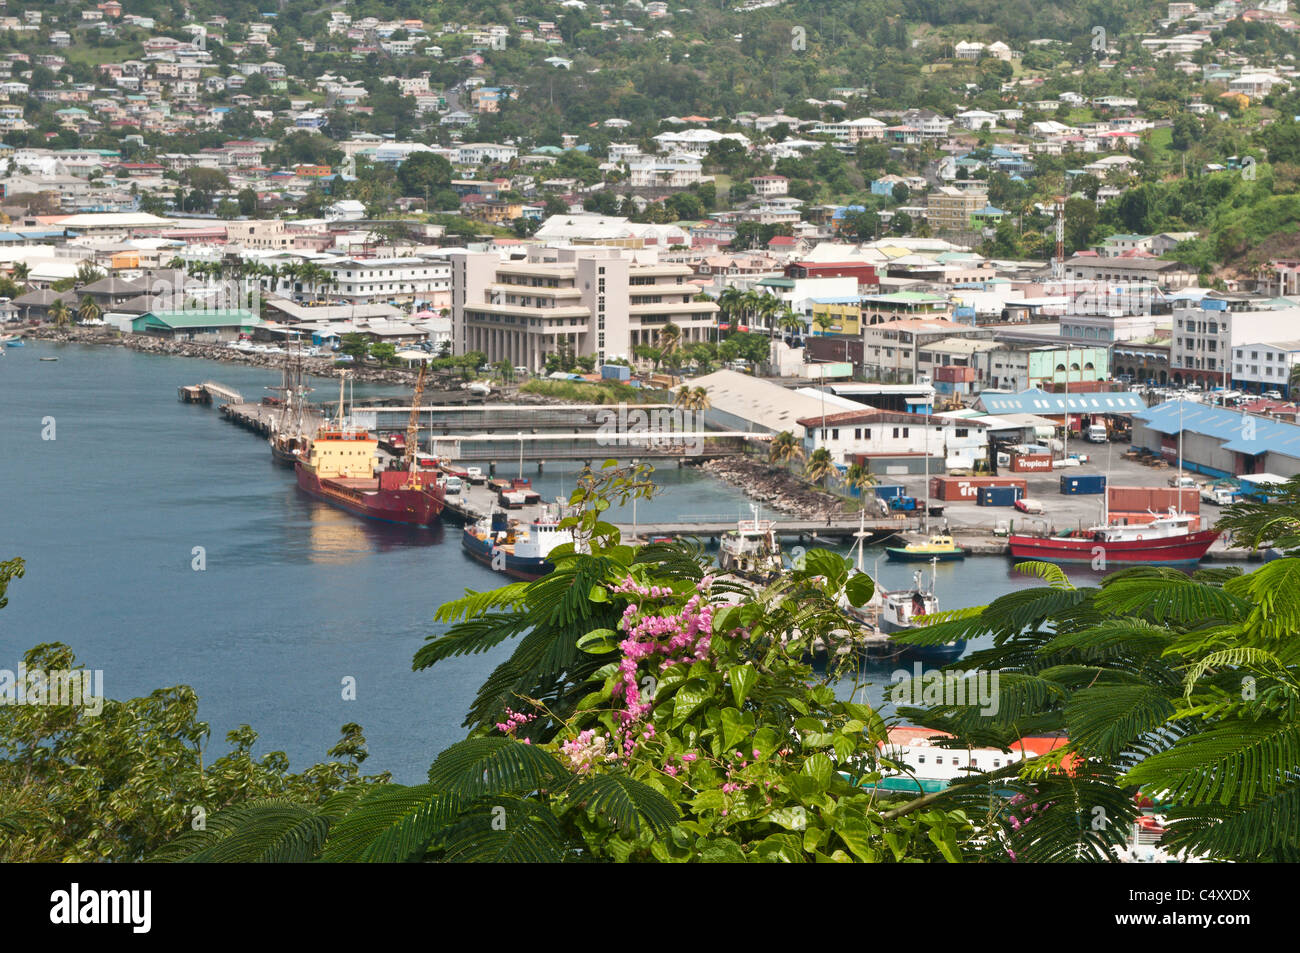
x=775, y=487
x=316, y=366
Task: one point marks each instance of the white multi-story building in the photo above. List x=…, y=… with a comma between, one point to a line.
x=587, y=300
x=368, y=280
x=476, y=153
x=852, y=130
x=1265, y=367
x=854, y=436
x=658, y=172
x=1207, y=334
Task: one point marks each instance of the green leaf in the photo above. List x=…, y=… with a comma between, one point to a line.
x=742, y=680
x=855, y=833
x=599, y=642
x=688, y=699
x=598, y=593
x=734, y=727
x=483, y=766
x=819, y=768
x=628, y=804
x=859, y=589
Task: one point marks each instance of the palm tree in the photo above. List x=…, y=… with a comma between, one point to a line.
x=749, y=302
x=823, y=321
x=731, y=301
x=820, y=466
x=670, y=336
x=88, y=310
x=859, y=477
x=789, y=321
x=700, y=399
x=21, y=272
x=60, y=314
x=1293, y=382
x=769, y=306
x=784, y=448
x=682, y=398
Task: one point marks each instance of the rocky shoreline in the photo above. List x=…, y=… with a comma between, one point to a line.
x=316, y=366
x=775, y=487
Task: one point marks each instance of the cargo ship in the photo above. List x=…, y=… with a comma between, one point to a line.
x=516, y=549
x=339, y=468
x=1165, y=541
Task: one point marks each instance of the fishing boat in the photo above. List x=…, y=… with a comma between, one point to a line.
x=904, y=609
x=939, y=547
x=751, y=550
x=49, y=359
x=15, y=342
x=520, y=550
x=1165, y=541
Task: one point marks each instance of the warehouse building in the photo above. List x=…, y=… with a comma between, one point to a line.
x=1217, y=441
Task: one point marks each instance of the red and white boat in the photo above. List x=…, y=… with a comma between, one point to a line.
x=1165, y=541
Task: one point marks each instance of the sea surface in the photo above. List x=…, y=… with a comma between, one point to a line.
x=294, y=599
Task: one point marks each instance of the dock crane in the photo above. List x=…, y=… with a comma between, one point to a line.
x=413, y=427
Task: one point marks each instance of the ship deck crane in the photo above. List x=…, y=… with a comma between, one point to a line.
x=413, y=424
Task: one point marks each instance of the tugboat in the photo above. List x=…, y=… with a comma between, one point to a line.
x=939, y=547
x=751, y=550
x=519, y=550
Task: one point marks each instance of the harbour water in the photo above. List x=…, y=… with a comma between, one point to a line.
x=294, y=597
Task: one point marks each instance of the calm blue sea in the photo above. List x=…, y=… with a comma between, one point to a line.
x=296, y=596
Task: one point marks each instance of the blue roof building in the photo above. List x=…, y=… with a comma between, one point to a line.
x=1217, y=441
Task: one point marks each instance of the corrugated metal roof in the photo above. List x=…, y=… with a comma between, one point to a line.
x=1035, y=401
x=1231, y=426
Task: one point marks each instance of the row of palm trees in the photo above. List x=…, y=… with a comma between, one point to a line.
x=298, y=274
x=761, y=308
x=692, y=398
x=820, y=465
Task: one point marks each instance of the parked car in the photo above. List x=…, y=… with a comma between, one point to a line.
x=1183, y=482
x=1273, y=394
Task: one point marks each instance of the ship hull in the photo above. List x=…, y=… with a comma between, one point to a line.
x=515, y=567
x=899, y=555
x=1164, y=551
x=415, y=507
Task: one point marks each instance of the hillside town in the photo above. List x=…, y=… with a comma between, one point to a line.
x=760, y=431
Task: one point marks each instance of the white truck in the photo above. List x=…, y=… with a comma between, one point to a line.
x=1097, y=433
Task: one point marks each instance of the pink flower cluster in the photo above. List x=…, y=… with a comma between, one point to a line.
x=683, y=637
x=514, y=721
x=587, y=750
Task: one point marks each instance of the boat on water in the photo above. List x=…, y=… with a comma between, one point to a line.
x=518, y=549
x=289, y=439
x=904, y=609
x=49, y=359
x=15, y=342
x=939, y=547
x=339, y=468
x=751, y=550
x=1167, y=540
x=926, y=766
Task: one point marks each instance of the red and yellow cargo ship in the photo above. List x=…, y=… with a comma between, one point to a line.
x=339, y=467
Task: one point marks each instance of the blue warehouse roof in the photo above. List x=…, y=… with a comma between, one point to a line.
x=1270, y=436
x=1035, y=401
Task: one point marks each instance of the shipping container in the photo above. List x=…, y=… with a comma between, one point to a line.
x=1156, y=499
x=1088, y=483
x=615, y=372
x=889, y=491
x=1031, y=463
x=956, y=489
x=998, y=495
